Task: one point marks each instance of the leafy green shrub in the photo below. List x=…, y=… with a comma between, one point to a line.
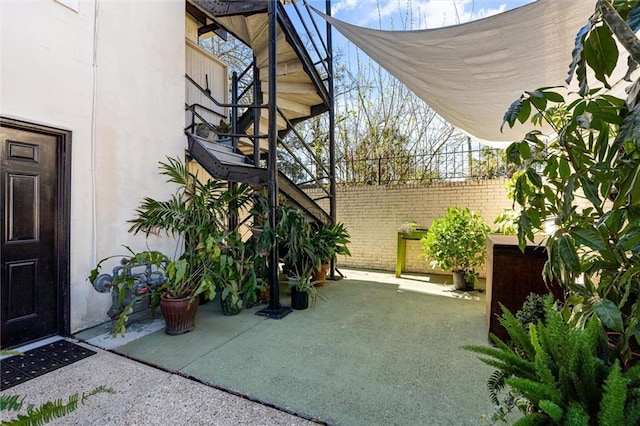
x=588, y=179
x=533, y=310
x=559, y=374
x=457, y=241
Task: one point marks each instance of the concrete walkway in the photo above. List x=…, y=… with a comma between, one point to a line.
x=376, y=353
x=143, y=396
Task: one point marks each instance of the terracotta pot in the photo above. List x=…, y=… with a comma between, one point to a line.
x=179, y=315
x=320, y=276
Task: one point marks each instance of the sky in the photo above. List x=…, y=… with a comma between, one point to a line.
x=415, y=14
x=407, y=15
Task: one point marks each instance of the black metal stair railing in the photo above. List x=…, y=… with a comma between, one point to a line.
x=246, y=170
x=320, y=74
x=245, y=113
x=235, y=107
x=318, y=178
x=320, y=53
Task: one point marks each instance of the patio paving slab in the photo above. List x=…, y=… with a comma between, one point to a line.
x=370, y=355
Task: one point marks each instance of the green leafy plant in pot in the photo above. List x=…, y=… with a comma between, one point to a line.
x=329, y=241
x=171, y=286
x=239, y=271
x=294, y=234
x=457, y=242
x=557, y=374
x=195, y=213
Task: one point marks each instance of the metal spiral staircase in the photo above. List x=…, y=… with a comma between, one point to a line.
x=304, y=86
x=290, y=81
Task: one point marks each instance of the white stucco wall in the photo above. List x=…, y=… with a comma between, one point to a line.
x=49, y=75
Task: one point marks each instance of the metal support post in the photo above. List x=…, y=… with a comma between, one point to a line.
x=275, y=310
x=234, y=110
x=332, y=132
x=257, y=100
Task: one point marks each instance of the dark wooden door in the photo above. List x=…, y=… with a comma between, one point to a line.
x=29, y=185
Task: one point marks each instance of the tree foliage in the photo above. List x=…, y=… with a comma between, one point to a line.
x=378, y=117
x=587, y=181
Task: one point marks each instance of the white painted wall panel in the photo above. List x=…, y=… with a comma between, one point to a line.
x=198, y=65
x=48, y=75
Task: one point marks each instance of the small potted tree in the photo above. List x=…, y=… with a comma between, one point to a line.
x=457, y=242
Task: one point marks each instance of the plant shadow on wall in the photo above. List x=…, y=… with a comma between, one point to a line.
x=211, y=260
x=588, y=181
x=457, y=242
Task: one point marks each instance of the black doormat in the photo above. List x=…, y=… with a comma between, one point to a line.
x=36, y=362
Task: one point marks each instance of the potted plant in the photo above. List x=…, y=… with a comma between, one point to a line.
x=556, y=374
x=196, y=214
x=329, y=241
x=239, y=271
x=298, y=251
x=166, y=284
x=457, y=242
x=185, y=283
x=203, y=129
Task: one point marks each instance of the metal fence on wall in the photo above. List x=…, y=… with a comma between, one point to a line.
x=446, y=166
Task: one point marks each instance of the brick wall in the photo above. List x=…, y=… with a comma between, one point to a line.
x=372, y=215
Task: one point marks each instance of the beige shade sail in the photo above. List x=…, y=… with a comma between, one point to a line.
x=471, y=73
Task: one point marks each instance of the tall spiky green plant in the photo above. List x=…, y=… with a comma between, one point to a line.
x=560, y=375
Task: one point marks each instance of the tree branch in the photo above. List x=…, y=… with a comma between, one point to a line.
x=620, y=29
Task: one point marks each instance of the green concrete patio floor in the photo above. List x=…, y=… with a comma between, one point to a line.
x=369, y=355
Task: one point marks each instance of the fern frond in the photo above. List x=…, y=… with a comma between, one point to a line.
x=505, y=360
x=535, y=391
x=50, y=410
x=585, y=372
x=553, y=335
x=533, y=419
x=99, y=389
x=11, y=402
x=496, y=383
x=632, y=410
x=543, y=362
x=44, y=413
x=633, y=374
x=614, y=398
x=517, y=333
x=576, y=415
x=552, y=409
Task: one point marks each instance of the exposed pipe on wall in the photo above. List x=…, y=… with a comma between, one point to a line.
x=94, y=104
